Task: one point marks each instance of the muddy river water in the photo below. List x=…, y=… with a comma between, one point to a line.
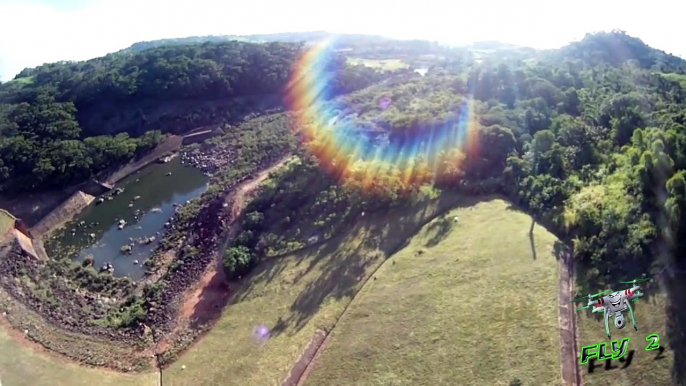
x=124, y=230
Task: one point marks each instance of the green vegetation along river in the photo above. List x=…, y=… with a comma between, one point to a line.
x=147, y=202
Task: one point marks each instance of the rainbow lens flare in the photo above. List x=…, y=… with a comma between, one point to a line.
x=350, y=151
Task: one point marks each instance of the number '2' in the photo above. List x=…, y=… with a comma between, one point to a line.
x=653, y=342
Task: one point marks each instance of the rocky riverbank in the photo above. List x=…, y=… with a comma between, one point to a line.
x=210, y=162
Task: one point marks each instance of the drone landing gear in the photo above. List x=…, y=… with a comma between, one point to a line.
x=631, y=312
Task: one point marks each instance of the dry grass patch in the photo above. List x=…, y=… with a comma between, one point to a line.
x=20, y=365
x=464, y=303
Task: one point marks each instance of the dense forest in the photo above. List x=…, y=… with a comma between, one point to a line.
x=47, y=135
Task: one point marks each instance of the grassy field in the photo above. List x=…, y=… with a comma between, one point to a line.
x=464, y=303
x=384, y=64
x=643, y=370
x=6, y=222
x=24, y=366
x=294, y=296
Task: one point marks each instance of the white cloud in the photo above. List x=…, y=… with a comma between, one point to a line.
x=32, y=34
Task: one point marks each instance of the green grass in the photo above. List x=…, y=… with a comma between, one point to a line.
x=21, y=365
x=463, y=304
x=294, y=296
x=644, y=369
x=23, y=81
x=681, y=79
x=6, y=222
x=384, y=64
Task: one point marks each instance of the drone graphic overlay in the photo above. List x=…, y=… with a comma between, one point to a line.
x=614, y=304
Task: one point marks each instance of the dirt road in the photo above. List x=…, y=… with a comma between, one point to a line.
x=211, y=288
x=571, y=371
x=204, y=302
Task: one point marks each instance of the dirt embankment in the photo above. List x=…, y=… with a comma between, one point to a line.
x=298, y=374
x=58, y=317
x=571, y=373
x=202, y=293
x=31, y=208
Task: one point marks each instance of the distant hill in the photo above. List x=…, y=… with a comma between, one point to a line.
x=289, y=37
x=616, y=48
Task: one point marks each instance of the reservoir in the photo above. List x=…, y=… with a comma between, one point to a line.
x=134, y=218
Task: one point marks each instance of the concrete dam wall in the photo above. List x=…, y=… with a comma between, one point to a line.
x=64, y=212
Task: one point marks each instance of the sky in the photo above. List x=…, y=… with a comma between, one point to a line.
x=33, y=32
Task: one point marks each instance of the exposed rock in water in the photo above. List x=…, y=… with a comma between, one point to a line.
x=107, y=267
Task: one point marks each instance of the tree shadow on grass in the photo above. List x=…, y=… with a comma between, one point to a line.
x=440, y=228
x=532, y=242
x=343, y=264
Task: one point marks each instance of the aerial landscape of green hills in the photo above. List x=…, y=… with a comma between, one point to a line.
x=328, y=209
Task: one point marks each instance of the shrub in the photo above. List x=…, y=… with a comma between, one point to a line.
x=237, y=261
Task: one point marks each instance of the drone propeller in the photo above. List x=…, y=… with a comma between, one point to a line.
x=590, y=296
x=636, y=281
x=602, y=293
x=583, y=308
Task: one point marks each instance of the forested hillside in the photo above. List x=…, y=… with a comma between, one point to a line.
x=51, y=117
x=359, y=44
x=617, y=47
x=594, y=149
